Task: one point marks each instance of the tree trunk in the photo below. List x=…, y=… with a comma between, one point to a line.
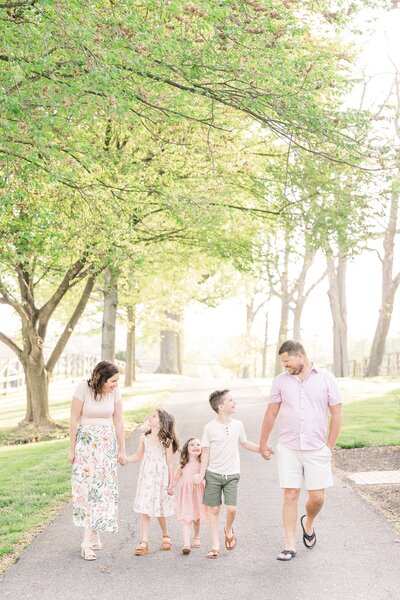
x=109, y=316
x=284, y=318
x=381, y=332
x=170, y=348
x=388, y=292
x=130, y=354
x=37, y=388
x=338, y=303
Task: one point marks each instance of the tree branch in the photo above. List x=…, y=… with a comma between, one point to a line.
x=66, y=334
x=9, y=342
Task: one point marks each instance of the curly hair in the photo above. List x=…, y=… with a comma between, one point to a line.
x=167, y=434
x=185, y=453
x=100, y=375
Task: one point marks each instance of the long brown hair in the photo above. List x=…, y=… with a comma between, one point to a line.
x=185, y=453
x=167, y=434
x=100, y=375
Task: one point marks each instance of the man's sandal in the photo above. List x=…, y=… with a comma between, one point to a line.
x=87, y=552
x=307, y=537
x=287, y=555
x=166, y=543
x=212, y=554
x=230, y=542
x=95, y=542
x=143, y=548
x=196, y=542
x=186, y=550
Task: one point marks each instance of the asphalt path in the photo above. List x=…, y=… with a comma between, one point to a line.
x=357, y=554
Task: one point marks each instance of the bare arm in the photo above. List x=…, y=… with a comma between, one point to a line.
x=120, y=431
x=205, y=459
x=177, y=476
x=267, y=426
x=335, y=424
x=250, y=446
x=76, y=411
x=139, y=452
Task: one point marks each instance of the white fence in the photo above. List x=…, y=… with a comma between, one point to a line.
x=12, y=376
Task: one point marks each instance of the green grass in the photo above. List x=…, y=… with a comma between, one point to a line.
x=372, y=422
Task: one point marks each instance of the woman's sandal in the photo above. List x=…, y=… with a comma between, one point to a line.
x=287, y=555
x=186, y=550
x=166, y=543
x=196, y=542
x=212, y=553
x=95, y=542
x=87, y=553
x=143, y=548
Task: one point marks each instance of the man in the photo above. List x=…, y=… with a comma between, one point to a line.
x=302, y=396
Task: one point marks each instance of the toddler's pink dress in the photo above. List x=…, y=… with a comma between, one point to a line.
x=190, y=505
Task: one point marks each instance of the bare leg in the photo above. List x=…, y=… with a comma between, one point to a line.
x=230, y=517
x=162, y=521
x=289, y=515
x=186, y=534
x=314, y=504
x=87, y=536
x=196, y=533
x=214, y=524
x=145, y=525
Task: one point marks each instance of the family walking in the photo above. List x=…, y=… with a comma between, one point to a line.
x=209, y=468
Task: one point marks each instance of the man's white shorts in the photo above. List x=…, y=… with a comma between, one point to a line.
x=311, y=466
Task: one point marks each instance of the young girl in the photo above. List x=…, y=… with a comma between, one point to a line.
x=190, y=510
x=154, y=494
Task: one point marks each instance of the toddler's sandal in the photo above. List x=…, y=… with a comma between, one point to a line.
x=212, y=553
x=196, y=542
x=186, y=550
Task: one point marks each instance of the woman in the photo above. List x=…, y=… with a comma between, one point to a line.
x=96, y=416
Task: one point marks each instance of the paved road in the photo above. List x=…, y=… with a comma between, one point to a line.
x=357, y=555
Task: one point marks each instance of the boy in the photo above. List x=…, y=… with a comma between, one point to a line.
x=220, y=466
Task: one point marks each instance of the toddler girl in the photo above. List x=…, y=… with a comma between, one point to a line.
x=154, y=494
x=190, y=510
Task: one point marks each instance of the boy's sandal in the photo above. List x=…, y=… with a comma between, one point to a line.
x=186, y=550
x=143, y=548
x=230, y=542
x=87, y=553
x=95, y=542
x=166, y=543
x=212, y=554
x=196, y=542
x=287, y=555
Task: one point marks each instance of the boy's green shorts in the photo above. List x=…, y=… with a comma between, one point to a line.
x=216, y=484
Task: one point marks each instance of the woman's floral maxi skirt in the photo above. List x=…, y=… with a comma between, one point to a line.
x=94, y=478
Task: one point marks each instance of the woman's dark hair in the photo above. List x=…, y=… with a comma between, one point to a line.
x=185, y=453
x=167, y=434
x=100, y=375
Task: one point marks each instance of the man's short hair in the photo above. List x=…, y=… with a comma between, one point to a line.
x=292, y=347
x=217, y=398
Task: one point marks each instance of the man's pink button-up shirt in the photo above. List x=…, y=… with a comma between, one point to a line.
x=303, y=414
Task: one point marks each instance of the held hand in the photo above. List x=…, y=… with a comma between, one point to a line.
x=197, y=479
x=72, y=456
x=266, y=452
x=122, y=459
x=170, y=490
